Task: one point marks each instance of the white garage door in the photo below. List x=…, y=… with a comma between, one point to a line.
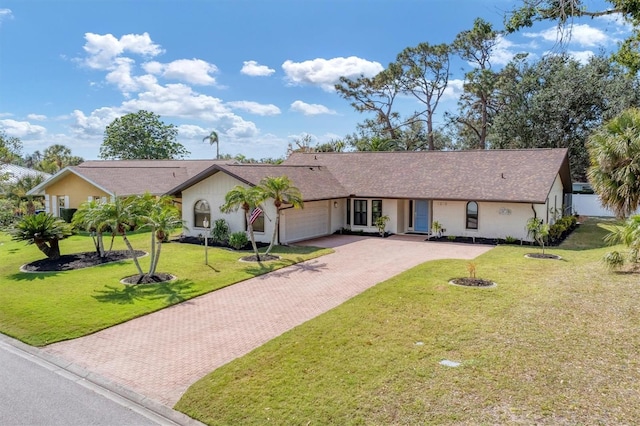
x=310, y=222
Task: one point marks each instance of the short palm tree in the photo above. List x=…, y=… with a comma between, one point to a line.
x=282, y=191
x=614, y=152
x=213, y=138
x=44, y=230
x=87, y=218
x=161, y=216
x=247, y=199
x=119, y=215
x=538, y=231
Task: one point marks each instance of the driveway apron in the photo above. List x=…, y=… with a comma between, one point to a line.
x=161, y=354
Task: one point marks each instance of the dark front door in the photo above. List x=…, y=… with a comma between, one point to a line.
x=422, y=216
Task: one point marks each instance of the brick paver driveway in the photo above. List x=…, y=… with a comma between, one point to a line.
x=160, y=355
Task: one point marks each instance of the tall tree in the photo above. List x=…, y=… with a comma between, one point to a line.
x=17, y=192
x=57, y=157
x=282, y=191
x=213, y=138
x=425, y=75
x=141, y=135
x=247, y=199
x=557, y=102
x=376, y=95
x=564, y=11
x=10, y=149
x=614, y=150
x=475, y=46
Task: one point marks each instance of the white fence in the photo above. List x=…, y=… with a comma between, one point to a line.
x=589, y=205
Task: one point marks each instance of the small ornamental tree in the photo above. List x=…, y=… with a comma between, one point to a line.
x=627, y=234
x=44, y=230
x=247, y=199
x=282, y=191
x=538, y=231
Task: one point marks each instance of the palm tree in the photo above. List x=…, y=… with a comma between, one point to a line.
x=162, y=217
x=247, y=199
x=87, y=218
x=119, y=215
x=43, y=230
x=18, y=190
x=614, y=152
x=213, y=138
x=282, y=191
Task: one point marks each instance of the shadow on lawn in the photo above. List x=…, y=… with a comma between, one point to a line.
x=172, y=292
x=293, y=266
x=26, y=276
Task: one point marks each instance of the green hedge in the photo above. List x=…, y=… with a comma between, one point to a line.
x=67, y=214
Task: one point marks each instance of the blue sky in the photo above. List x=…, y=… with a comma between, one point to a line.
x=259, y=72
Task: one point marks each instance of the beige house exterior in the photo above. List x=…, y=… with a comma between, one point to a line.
x=104, y=180
x=483, y=194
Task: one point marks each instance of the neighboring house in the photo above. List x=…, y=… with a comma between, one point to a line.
x=104, y=180
x=11, y=173
x=489, y=193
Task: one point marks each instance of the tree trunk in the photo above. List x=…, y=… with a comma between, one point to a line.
x=155, y=259
x=133, y=253
x=275, y=232
x=251, y=237
x=50, y=248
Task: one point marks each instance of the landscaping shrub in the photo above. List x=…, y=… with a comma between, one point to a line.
x=561, y=229
x=220, y=231
x=67, y=214
x=237, y=240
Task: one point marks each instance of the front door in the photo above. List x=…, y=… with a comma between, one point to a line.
x=422, y=216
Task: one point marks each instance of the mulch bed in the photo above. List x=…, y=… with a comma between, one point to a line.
x=473, y=282
x=158, y=277
x=263, y=258
x=70, y=262
x=542, y=256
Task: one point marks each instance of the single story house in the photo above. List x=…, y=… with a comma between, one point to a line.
x=488, y=193
x=103, y=180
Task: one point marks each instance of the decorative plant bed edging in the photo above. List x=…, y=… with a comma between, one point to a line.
x=263, y=258
x=473, y=283
x=162, y=278
x=542, y=256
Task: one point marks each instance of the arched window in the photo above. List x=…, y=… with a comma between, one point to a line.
x=201, y=211
x=472, y=215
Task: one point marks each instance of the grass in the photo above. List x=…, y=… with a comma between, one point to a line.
x=555, y=343
x=40, y=309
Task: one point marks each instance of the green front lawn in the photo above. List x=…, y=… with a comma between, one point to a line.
x=48, y=307
x=556, y=342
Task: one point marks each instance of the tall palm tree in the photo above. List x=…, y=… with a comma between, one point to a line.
x=282, y=191
x=614, y=152
x=247, y=199
x=213, y=138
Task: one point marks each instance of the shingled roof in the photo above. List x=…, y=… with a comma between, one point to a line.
x=484, y=175
x=314, y=182
x=132, y=177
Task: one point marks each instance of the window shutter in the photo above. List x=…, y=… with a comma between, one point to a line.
x=54, y=203
x=47, y=206
x=66, y=201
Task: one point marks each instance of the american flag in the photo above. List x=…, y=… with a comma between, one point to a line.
x=255, y=214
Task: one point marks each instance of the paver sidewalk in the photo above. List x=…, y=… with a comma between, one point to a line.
x=160, y=355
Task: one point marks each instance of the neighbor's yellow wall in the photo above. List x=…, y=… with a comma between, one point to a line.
x=78, y=190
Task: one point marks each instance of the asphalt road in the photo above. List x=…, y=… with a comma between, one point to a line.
x=36, y=392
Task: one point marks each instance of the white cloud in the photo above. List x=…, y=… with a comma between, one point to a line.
x=191, y=131
x=37, y=117
x=581, y=56
x=454, y=89
x=253, y=69
x=255, y=107
x=581, y=34
x=95, y=123
x=327, y=72
x=502, y=52
x=195, y=71
x=21, y=129
x=5, y=14
x=102, y=50
x=310, y=109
